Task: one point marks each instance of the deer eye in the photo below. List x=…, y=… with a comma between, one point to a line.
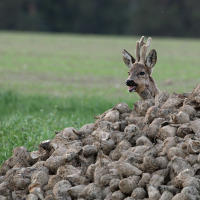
x=128, y=73
x=142, y=73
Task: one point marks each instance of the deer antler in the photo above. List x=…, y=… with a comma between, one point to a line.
x=139, y=44
x=139, y=78
x=144, y=50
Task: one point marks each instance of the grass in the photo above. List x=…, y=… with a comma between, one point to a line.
x=26, y=120
x=52, y=81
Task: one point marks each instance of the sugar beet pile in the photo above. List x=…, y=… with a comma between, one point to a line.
x=150, y=152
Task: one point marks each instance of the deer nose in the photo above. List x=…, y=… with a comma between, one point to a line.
x=130, y=82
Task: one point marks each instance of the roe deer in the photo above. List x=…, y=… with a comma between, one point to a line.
x=139, y=76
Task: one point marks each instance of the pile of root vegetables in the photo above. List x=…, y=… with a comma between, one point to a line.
x=150, y=152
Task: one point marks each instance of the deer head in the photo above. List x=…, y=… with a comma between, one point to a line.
x=139, y=76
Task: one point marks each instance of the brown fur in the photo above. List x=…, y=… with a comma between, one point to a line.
x=146, y=88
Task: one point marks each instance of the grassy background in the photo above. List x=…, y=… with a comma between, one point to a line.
x=52, y=81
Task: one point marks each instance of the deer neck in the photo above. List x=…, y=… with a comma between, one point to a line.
x=150, y=90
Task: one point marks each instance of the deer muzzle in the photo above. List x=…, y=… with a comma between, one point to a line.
x=132, y=85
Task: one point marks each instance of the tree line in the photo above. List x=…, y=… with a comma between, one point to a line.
x=131, y=17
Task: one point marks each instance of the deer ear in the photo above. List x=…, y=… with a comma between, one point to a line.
x=151, y=59
x=128, y=59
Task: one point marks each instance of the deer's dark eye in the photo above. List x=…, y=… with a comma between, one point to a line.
x=128, y=73
x=142, y=73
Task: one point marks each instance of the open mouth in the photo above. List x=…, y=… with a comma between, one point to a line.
x=132, y=88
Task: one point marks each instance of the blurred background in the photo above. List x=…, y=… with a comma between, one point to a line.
x=124, y=17
x=61, y=62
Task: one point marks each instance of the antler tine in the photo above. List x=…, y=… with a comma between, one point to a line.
x=144, y=50
x=139, y=44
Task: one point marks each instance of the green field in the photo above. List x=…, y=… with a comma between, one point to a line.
x=52, y=81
